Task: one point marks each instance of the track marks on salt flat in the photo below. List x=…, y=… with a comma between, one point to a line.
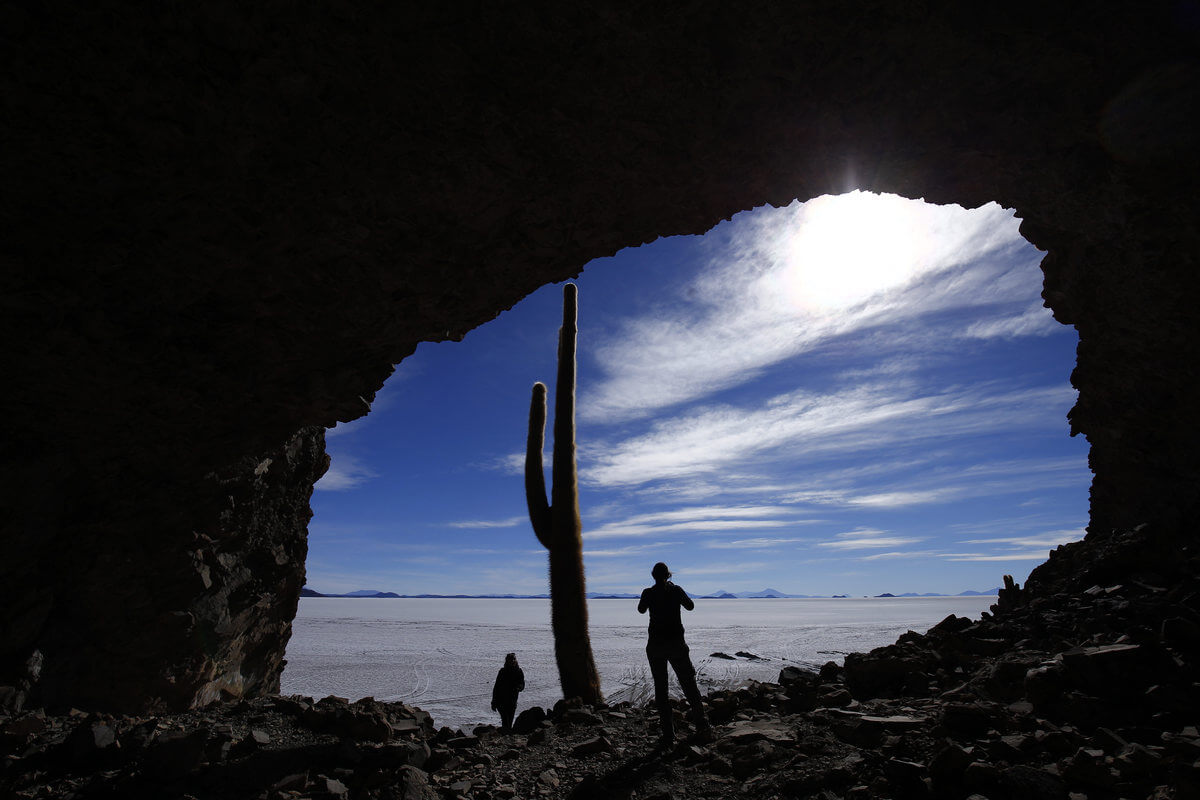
x=422, y=681
x=635, y=686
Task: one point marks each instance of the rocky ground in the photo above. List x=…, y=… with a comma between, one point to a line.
x=1085, y=684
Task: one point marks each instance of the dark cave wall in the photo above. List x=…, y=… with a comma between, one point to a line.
x=223, y=225
x=169, y=596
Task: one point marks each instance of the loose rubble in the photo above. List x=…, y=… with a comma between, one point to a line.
x=1075, y=693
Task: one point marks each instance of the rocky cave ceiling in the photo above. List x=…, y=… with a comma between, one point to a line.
x=222, y=226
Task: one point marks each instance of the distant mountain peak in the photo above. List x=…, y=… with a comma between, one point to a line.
x=361, y=593
x=768, y=592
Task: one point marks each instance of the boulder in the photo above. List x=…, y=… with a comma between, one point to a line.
x=529, y=720
x=412, y=783
x=598, y=744
x=174, y=754
x=947, y=767
x=967, y=720
x=1023, y=782
x=89, y=741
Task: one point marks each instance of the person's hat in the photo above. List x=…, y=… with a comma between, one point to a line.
x=660, y=571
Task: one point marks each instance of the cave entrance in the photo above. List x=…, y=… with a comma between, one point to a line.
x=854, y=395
x=858, y=395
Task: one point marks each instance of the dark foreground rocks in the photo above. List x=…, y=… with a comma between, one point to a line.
x=1071, y=690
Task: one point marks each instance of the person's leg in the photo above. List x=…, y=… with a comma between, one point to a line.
x=685, y=672
x=657, y=657
x=506, y=717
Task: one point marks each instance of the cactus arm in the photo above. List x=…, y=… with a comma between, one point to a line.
x=535, y=477
x=564, y=501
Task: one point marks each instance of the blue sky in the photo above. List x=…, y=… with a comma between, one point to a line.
x=855, y=395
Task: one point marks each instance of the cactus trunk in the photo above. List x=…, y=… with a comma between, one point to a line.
x=556, y=522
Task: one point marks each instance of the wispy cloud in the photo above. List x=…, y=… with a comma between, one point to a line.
x=508, y=522
x=1034, y=524
x=797, y=278
x=1049, y=540
x=902, y=498
x=1033, y=322
x=1029, y=555
x=738, y=570
x=867, y=539
x=899, y=554
x=1032, y=547
x=628, y=550
x=934, y=483
x=697, y=519
x=759, y=543
x=345, y=472
x=510, y=463
x=854, y=420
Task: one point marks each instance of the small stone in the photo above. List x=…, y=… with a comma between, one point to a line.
x=1136, y=760
x=25, y=726
x=541, y=736
x=948, y=765
x=176, y=753
x=897, y=724
x=406, y=726
x=294, y=782
x=332, y=786
x=11, y=698
x=836, y=698
x=592, y=746
x=580, y=716
x=549, y=778
x=720, y=765
x=981, y=776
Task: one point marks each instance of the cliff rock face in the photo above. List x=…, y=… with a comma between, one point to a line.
x=223, y=224
x=191, y=605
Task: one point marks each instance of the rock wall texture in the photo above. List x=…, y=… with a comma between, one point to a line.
x=222, y=224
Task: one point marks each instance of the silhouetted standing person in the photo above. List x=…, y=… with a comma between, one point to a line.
x=666, y=644
x=510, y=681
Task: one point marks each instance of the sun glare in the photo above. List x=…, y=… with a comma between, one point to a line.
x=846, y=248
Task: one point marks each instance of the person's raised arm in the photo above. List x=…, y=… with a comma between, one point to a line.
x=643, y=604
x=684, y=600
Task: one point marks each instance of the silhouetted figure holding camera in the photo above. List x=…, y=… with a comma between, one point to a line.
x=510, y=681
x=666, y=644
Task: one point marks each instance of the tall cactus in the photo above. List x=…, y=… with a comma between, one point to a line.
x=556, y=522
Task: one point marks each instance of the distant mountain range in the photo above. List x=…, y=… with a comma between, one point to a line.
x=718, y=595
x=307, y=592
x=764, y=593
